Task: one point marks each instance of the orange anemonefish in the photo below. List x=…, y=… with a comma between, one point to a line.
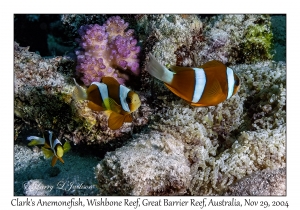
x=117, y=101
x=52, y=146
x=207, y=85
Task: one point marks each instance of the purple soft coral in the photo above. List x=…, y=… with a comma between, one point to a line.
x=105, y=48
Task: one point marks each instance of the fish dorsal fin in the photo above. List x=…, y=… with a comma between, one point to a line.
x=95, y=107
x=110, y=81
x=128, y=118
x=177, y=69
x=213, y=63
x=115, y=120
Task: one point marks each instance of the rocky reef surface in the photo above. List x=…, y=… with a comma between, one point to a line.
x=170, y=148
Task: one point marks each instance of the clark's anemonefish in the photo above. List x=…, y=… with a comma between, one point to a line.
x=52, y=146
x=117, y=101
x=207, y=85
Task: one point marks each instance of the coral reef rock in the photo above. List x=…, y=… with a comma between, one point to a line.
x=222, y=144
x=262, y=183
x=151, y=164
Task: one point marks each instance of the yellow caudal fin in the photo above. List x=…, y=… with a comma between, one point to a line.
x=115, y=120
x=79, y=92
x=53, y=162
x=47, y=153
x=34, y=140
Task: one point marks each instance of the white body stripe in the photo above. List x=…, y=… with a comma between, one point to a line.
x=103, y=92
x=123, y=95
x=200, y=81
x=50, y=138
x=230, y=81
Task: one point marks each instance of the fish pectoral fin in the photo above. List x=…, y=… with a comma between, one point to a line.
x=115, y=120
x=67, y=146
x=95, y=107
x=114, y=106
x=47, y=153
x=128, y=118
x=110, y=81
x=53, y=162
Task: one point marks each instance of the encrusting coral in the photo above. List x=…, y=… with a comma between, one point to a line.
x=107, y=50
x=222, y=144
x=179, y=150
x=151, y=164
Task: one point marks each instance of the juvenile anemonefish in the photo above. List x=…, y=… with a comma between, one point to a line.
x=207, y=85
x=52, y=146
x=117, y=101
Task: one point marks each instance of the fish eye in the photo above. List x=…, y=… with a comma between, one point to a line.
x=128, y=100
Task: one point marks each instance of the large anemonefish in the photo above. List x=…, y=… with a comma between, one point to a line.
x=117, y=101
x=52, y=146
x=207, y=85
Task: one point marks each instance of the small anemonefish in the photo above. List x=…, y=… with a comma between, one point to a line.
x=117, y=101
x=207, y=85
x=52, y=146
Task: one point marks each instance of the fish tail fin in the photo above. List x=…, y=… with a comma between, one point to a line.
x=159, y=71
x=34, y=140
x=79, y=92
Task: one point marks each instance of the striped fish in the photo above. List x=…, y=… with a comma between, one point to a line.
x=117, y=101
x=207, y=85
x=52, y=146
